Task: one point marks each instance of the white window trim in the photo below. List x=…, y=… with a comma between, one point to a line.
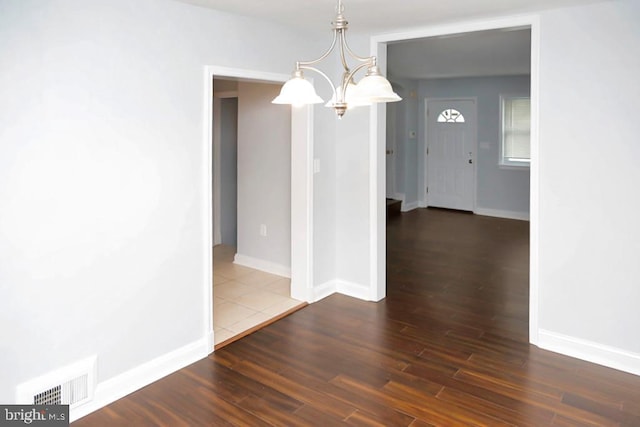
x=502, y=162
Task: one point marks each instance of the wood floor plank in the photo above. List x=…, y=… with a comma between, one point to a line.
x=610, y=410
x=312, y=414
x=212, y=408
x=529, y=397
x=448, y=346
x=364, y=403
x=273, y=412
x=460, y=398
x=359, y=419
x=420, y=405
x=303, y=393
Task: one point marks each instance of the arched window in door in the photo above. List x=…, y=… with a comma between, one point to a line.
x=450, y=116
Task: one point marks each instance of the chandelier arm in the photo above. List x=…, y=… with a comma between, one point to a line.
x=306, y=67
x=355, y=70
x=368, y=59
x=347, y=78
x=299, y=64
x=343, y=43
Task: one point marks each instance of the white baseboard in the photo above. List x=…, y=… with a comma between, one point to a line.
x=126, y=383
x=324, y=290
x=353, y=290
x=406, y=207
x=342, y=287
x=301, y=293
x=398, y=196
x=262, y=265
x=523, y=216
x=590, y=351
x=211, y=342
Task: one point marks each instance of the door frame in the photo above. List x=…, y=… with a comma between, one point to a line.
x=392, y=163
x=217, y=135
x=377, y=235
x=301, y=190
x=475, y=147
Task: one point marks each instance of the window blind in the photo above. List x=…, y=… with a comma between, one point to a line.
x=516, y=129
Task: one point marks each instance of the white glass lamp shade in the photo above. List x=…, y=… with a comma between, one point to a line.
x=349, y=97
x=375, y=88
x=297, y=92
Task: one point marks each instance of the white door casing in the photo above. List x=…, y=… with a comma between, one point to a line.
x=391, y=151
x=217, y=178
x=301, y=192
x=451, y=153
x=377, y=132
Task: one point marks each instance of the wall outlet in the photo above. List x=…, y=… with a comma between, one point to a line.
x=263, y=230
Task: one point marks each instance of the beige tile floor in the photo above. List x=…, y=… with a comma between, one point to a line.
x=244, y=297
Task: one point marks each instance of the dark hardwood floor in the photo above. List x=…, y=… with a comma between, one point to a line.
x=447, y=347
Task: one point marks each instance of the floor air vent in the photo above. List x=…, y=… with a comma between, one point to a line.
x=52, y=396
x=72, y=385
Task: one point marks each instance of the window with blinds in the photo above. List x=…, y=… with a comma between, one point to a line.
x=516, y=131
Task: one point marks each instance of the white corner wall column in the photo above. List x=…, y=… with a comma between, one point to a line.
x=377, y=191
x=207, y=188
x=534, y=186
x=302, y=204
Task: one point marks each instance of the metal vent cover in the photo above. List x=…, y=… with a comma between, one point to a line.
x=72, y=385
x=53, y=396
x=70, y=393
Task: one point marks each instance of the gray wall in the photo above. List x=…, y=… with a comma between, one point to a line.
x=406, y=151
x=589, y=228
x=498, y=189
x=324, y=192
x=264, y=174
x=104, y=178
x=229, y=170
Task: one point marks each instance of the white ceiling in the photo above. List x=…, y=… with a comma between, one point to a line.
x=486, y=53
x=379, y=15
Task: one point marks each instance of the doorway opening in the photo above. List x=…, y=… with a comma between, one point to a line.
x=440, y=165
x=252, y=182
x=253, y=272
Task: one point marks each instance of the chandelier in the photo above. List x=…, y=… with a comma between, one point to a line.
x=373, y=88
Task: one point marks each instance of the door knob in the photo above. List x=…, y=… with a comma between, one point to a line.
x=470, y=161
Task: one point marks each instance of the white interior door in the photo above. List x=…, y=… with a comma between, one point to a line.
x=451, y=148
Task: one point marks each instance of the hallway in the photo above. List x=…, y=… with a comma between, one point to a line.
x=244, y=298
x=470, y=272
